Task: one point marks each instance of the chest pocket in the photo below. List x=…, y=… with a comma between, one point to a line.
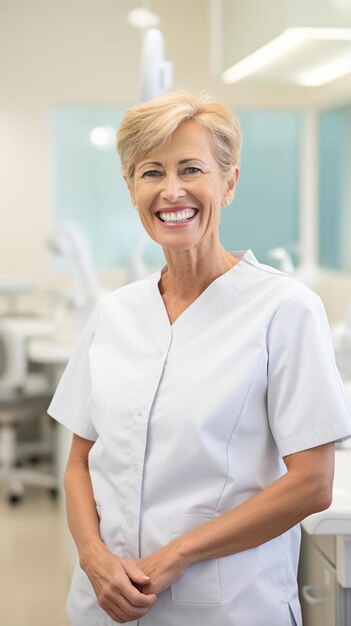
x=200, y=582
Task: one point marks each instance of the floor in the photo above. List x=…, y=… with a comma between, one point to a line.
x=33, y=585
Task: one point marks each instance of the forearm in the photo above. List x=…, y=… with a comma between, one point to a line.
x=82, y=516
x=114, y=579
x=262, y=518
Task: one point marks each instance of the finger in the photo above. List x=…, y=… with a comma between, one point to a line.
x=122, y=593
x=137, y=598
x=122, y=613
x=134, y=572
x=134, y=593
x=149, y=589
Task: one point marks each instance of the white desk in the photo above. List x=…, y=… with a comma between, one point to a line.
x=12, y=287
x=49, y=352
x=29, y=326
x=54, y=354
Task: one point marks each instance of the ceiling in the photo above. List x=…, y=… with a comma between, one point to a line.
x=82, y=51
x=293, y=65
x=223, y=32
x=242, y=30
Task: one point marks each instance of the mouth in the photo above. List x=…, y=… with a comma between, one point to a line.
x=176, y=217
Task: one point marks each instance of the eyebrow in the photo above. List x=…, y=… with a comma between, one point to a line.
x=191, y=159
x=182, y=162
x=150, y=163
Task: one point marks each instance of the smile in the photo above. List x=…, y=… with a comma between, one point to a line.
x=175, y=217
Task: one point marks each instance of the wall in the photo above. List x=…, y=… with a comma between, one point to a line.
x=57, y=52
x=81, y=52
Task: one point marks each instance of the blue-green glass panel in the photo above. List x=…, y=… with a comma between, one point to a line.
x=264, y=214
x=331, y=133
x=345, y=218
x=90, y=190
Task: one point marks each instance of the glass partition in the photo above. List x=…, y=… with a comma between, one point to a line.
x=335, y=189
x=90, y=191
x=264, y=214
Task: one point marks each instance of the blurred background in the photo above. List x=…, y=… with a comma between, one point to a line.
x=68, y=232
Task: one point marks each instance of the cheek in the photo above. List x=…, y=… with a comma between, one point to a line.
x=212, y=191
x=145, y=219
x=144, y=199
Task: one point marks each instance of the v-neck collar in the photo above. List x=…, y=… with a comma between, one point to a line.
x=209, y=298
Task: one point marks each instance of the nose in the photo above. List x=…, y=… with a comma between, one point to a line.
x=172, y=188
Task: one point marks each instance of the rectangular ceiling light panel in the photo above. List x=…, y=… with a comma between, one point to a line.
x=285, y=44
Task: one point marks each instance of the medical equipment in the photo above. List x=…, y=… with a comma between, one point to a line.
x=156, y=74
x=307, y=272
x=11, y=287
x=137, y=268
x=24, y=398
x=284, y=259
x=68, y=241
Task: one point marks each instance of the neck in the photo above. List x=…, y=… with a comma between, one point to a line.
x=189, y=272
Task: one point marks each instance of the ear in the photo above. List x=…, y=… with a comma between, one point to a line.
x=130, y=186
x=230, y=187
x=232, y=180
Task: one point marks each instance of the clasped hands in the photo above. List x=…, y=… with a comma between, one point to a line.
x=126, y=589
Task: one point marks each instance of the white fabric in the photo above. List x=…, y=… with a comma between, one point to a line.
x=192, y=419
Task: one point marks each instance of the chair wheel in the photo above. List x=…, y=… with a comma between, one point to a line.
x=14, y=499
x=54, y=492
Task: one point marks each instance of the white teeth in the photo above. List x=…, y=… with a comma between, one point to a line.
x=177, y=217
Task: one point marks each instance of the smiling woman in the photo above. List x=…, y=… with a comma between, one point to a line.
x=183, y=167
x=204, y=402
x=179, y=200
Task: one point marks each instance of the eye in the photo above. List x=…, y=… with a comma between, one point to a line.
x=151, y=174
x=192, y=170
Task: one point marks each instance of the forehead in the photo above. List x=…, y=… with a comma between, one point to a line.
x=189, y=140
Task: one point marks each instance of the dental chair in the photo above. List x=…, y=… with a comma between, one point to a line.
x=24, y=398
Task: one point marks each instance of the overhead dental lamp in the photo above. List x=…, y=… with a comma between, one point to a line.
x=156, y=74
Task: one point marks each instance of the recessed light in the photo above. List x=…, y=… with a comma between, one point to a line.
x=103, y=137
x=143, y=18
x=291, y=38
x=327, y=72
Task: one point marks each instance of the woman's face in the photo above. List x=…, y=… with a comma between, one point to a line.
x=179, y=190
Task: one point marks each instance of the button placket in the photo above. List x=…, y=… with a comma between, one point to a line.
x=146, y=387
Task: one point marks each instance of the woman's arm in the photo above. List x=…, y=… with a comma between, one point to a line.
x=305, y=489
x=111, y=576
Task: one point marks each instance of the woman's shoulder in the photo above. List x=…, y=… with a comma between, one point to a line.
x=130, y=292
x=280, y=288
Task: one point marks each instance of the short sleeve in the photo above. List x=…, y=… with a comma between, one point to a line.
x=70, y=403
x=306, y=399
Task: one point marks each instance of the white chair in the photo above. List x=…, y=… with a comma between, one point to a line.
x=24, y=398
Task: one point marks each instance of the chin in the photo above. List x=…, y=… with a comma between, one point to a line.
x=178, y=246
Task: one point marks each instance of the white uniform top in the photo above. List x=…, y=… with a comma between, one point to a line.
x=192, y=419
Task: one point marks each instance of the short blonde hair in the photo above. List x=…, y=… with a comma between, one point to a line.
x=146, y=128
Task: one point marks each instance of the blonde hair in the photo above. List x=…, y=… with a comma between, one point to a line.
x=147, y=127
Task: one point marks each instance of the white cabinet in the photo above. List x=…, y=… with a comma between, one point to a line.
x=324, y=601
